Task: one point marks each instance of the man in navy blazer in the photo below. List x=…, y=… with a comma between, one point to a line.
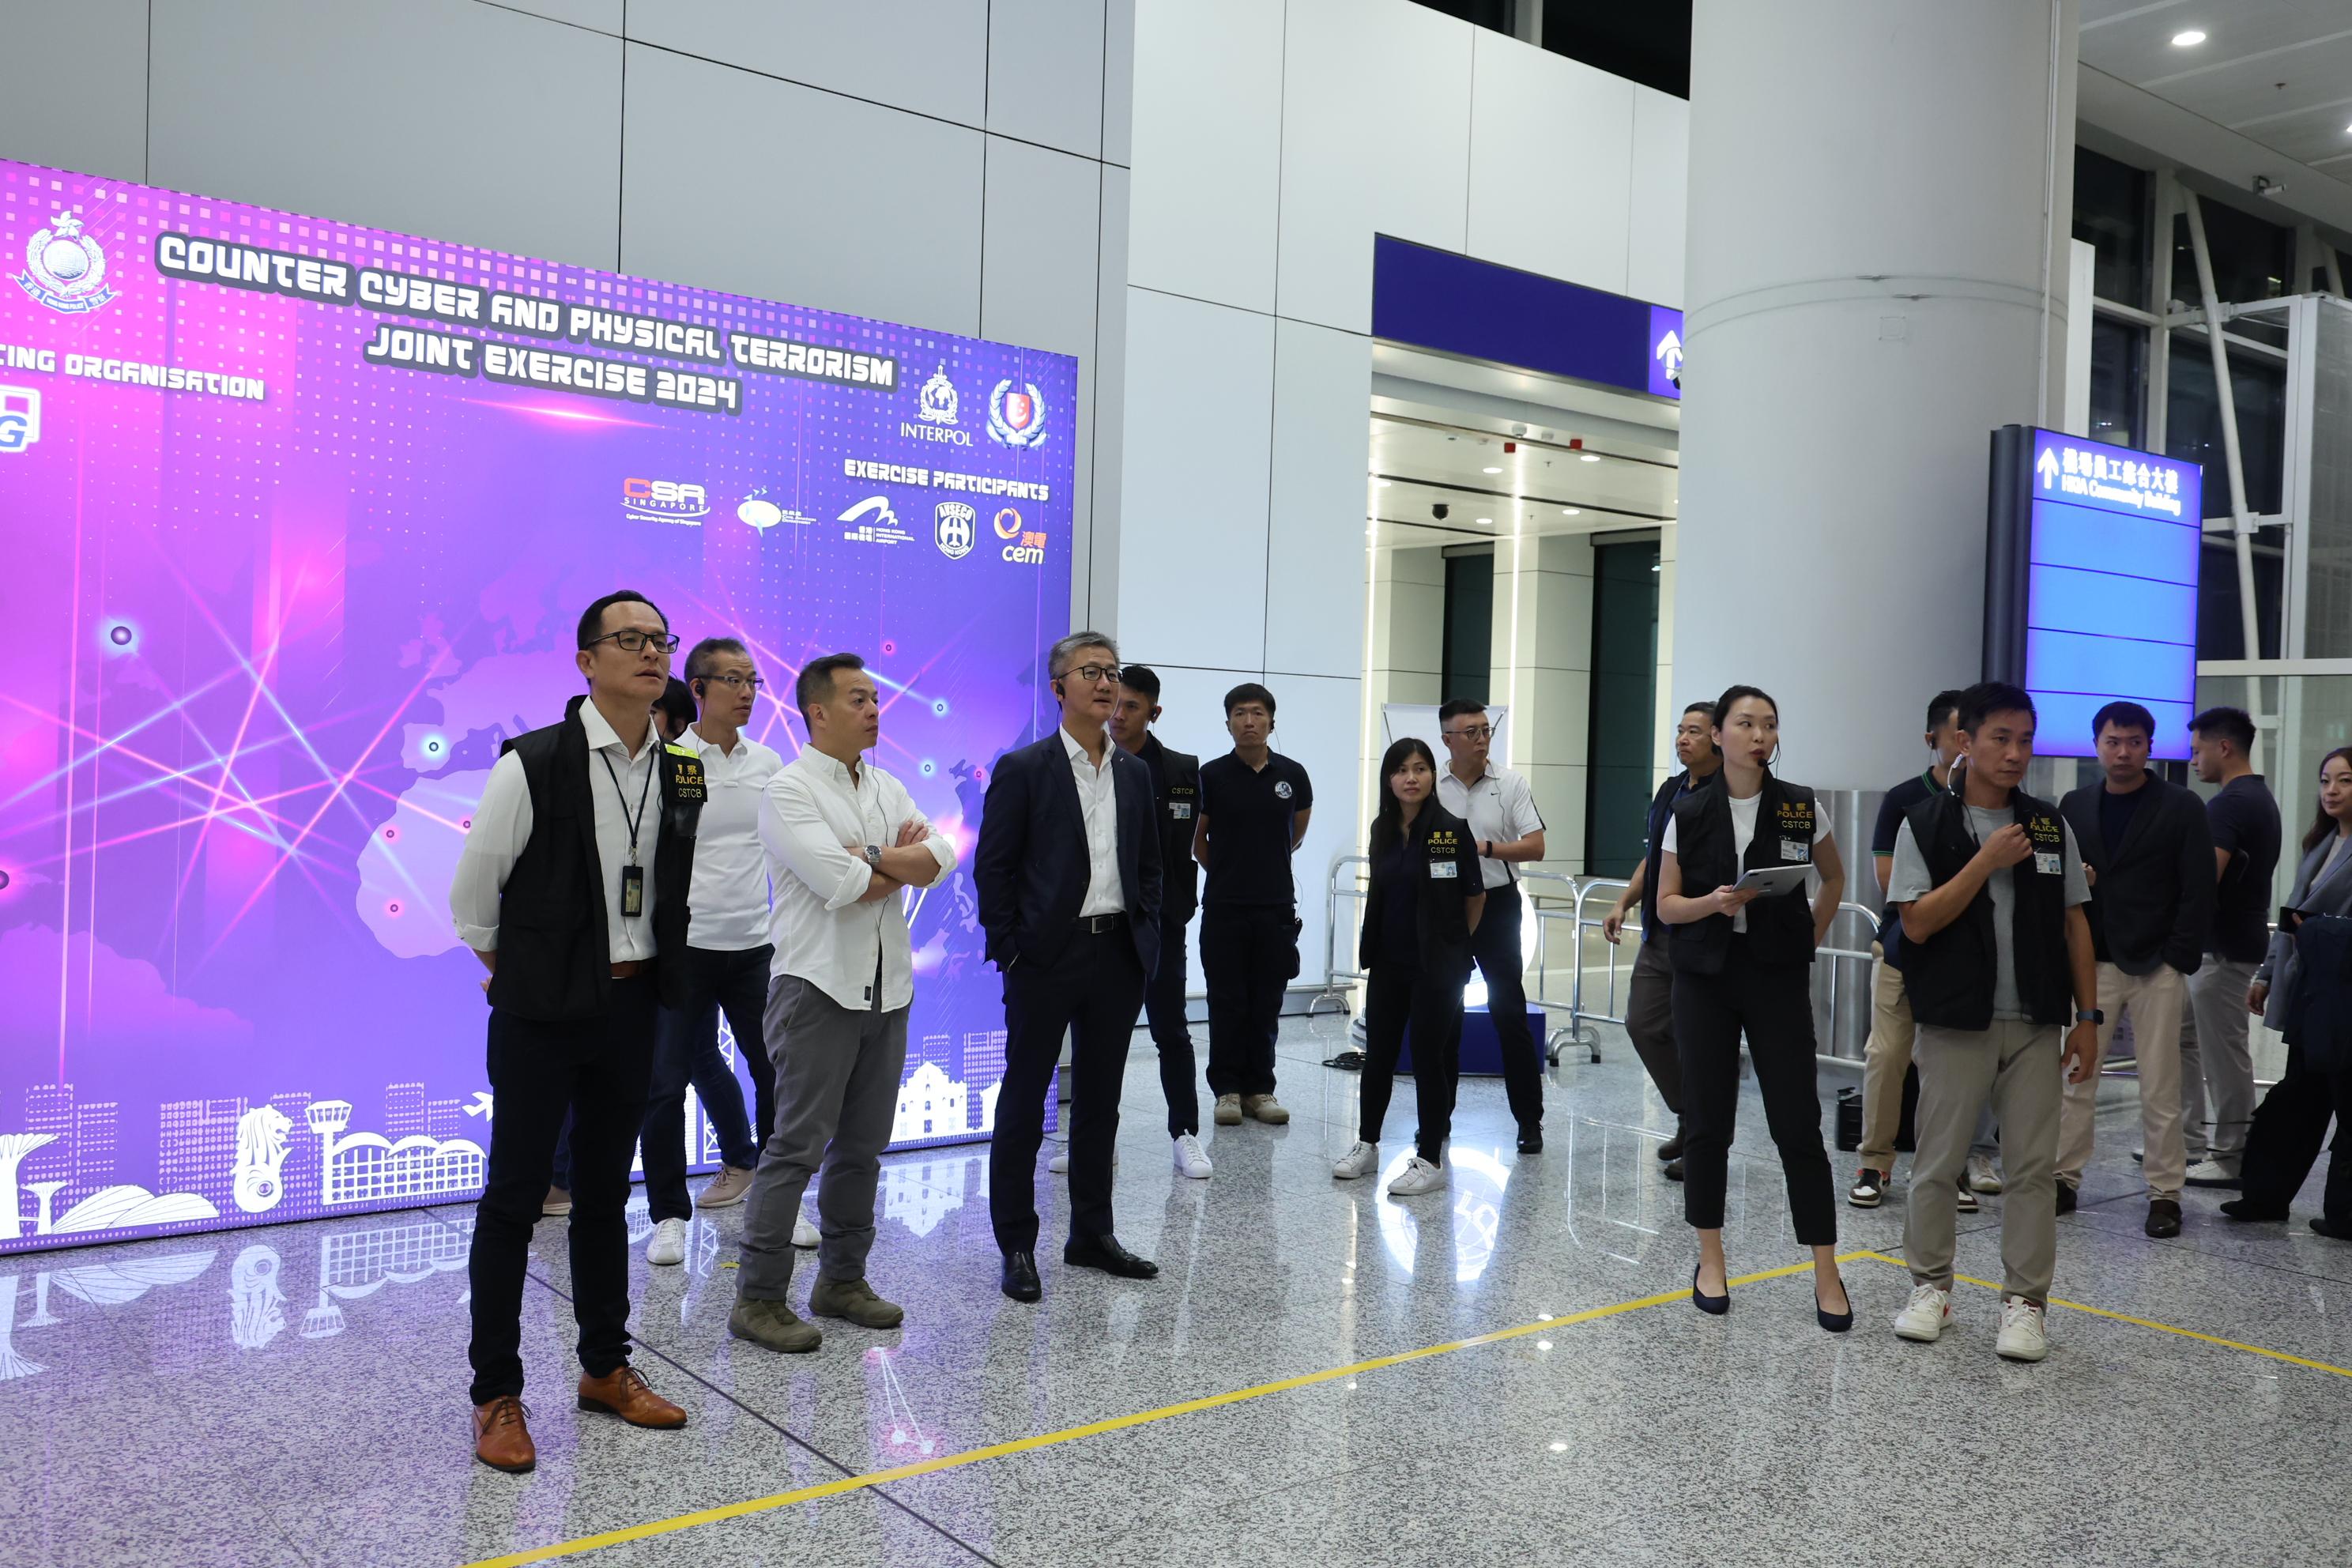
x=1069, y=873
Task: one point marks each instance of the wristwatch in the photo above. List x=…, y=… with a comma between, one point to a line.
x=873, y=856
x=2090, y=1016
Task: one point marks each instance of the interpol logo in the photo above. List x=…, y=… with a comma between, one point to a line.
x=20, y=418
x=1016, y=418
x=937, y=403
x=65, y=268
x=955, y=527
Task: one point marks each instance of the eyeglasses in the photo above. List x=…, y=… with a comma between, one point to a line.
x=636, y=642
x=738, y=682
x=1472, y=732
x=1091, y=673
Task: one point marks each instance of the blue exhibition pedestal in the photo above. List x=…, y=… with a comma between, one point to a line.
x=1482, y=1053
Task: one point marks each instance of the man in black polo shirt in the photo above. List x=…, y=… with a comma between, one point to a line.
x=1255, y=804
x=2244, y=821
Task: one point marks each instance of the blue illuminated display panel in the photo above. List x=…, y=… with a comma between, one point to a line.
x=2110, y=589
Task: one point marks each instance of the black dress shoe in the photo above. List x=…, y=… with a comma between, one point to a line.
x=1835, y=1322
x=1105, y=1253
x=2249, y=1211
x=2065, y=1198
x=1673, y=1170
x=1672, y=1148
x=1020, y=1280
x=2163, y=1218
x=1714, y=1306
x=1531, y=1139
x=2334, y=1229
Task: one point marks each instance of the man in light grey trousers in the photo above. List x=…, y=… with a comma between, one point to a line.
x=842, y=838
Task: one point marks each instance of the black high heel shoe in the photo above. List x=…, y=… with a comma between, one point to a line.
x=1835, y=1322
x=1715, y=1305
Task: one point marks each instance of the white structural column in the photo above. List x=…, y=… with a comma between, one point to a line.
x=1875, y=283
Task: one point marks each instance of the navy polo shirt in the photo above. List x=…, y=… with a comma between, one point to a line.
x=1251, y=814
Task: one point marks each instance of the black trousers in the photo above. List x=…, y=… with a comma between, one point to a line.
x=1248, y=956
x=1163, y=1005
x=597, y=1071
x=1396, y=994
x=2283, y=1143
x=1092, y=991
x=1496, y=946
x=686, y=1050
x=1773, y=1003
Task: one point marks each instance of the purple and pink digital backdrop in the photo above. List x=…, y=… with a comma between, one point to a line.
x=287, y=562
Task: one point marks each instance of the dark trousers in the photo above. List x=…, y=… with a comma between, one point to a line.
x=597, y=1070
x=1248, y=955
x=1092, y=991
x=1396, y=994
x=1496, y=946
x=1650, y=1023
x=2289, y=1126
x=686, y=1050
x=1774, y=1004
x=1163, y=1005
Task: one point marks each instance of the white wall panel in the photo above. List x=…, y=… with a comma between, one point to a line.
x=1119, y=79
x=603, y=16
x=1094, y=587
x=1319, y=723
x=1550, y=140
x=1659, y=197
x=928, y=56
x=448, y=119
x=1205, y=145
x=63, y=69
x=1045, y=72
x=1315, y=556
x=836, y=232
x=1375, y=138
x=1192, y=508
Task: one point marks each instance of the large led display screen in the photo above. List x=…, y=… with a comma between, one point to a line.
x=301, y=516
x=2091, y=587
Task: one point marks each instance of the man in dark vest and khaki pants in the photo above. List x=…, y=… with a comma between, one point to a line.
x=572, y=884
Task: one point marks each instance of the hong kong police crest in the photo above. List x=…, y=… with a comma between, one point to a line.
x=1016, y=417
x=65, y=268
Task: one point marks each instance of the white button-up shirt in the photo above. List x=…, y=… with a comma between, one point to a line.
x=1499, y=806
x=502, y=825
x=813, y=811
x=1099, y=803
x=730, y=894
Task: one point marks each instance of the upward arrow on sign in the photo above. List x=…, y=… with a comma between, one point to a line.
x=2047, y=468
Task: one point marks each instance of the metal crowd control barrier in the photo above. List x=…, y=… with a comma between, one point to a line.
x=1337, y=977
x=1870, y=921
x=1574, y=1031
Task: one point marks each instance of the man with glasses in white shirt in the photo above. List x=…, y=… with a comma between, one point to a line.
x=842, y=838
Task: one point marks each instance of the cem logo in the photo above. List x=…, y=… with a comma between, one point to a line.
x=65, y=268
x=955, y=526
x=20, y=418
x=1027, y=547
x=665, y=500
x=1016, y=416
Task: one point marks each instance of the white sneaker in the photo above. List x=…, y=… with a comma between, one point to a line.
x=2023, y=1335
x=2211, y=1173
x=1420, y=1177
x=1060, y=1164
x=1191, y=1160
x=668, y=1248
x=1925, y=1316
x=1982, y=1175
x=804, y=1235
x=1358, y=1161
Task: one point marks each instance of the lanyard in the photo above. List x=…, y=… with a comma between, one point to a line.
x=651, y=763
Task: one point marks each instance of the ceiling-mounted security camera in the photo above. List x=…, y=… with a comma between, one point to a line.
x=1440, y=510
x=2266, y=186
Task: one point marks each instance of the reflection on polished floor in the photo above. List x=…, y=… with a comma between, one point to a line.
x=296, y=1394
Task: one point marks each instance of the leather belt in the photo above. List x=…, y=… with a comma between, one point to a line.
x=631, y=969
x=1095, y=925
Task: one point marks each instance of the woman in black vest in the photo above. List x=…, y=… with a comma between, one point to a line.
x=1742, y=962
x=1425, y=899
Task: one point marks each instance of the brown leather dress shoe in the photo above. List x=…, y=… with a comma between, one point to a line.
x=501, y=1440
x=626, y=1393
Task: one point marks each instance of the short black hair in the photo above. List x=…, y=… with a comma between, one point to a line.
x=816, y=682
x=698, y=661
x=1142, y=678
x=1987, y=698
x=1705, y=707
x=677, y=700
x=2123, y=714
x=592, y=619
x=1459, y=707
x=1249, y=692
x=2234, y=725
x=1943, y=705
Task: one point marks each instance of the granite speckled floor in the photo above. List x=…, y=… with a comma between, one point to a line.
x=296, y=1394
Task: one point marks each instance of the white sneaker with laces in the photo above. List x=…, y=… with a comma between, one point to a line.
x=1982, y=1177
x=1358, y=1161
x=2212, y=1173
x=668, y=1248
x=1419, y=1176
x=1925, y=1316
x=2024, y=1335
x=1191, y=1160
x=804, y=1235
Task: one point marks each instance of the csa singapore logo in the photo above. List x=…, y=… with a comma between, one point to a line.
x=20, y=418
x=65, y=268
x=1016, y=418
x=956, y=527
x=665, y=500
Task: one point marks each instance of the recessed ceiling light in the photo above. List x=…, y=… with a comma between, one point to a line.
x=1589, y=457
x=1490, y=470
x=1485, y=521
x=1571, y=511
x=1385, y=483
x=2188, y=40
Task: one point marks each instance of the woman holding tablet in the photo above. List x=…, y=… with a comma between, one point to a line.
x=1743, y=961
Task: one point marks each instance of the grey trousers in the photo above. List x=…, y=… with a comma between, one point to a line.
x=2217, y=1050
x=1650, y=1023
x=2016, y=1064
x=837, y=1076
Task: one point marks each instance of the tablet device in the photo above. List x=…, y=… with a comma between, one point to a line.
x=1769, y=881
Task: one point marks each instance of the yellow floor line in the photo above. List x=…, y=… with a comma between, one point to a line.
x=2144, y=1323
x=836, y=1487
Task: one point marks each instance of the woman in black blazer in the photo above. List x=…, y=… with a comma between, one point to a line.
x=1425, y=900
x=2283, y=1142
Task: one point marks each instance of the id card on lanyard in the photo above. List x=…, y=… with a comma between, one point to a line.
x=633, y=875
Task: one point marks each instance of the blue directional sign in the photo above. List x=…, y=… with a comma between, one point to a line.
x=2091, y=583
